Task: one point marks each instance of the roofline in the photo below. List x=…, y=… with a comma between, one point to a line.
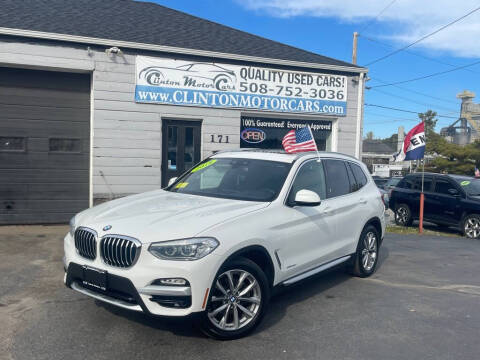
x=171, y=49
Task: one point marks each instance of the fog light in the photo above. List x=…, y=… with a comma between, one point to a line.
x=171, y=282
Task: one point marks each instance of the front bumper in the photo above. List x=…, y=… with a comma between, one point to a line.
x=135, y=288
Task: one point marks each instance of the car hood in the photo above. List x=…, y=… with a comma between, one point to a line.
x=162, y=215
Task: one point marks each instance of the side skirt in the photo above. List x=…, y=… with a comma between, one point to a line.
x=316, y=270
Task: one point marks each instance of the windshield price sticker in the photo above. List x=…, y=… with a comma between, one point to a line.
x=179, y=82
x=204, y=165
x=465, y=183
x=181, y=185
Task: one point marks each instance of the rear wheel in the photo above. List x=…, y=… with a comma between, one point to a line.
x=366, y=257
x=403, y=215
x=471, y=226
x=237, y=300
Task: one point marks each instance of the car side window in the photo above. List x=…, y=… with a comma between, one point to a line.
x=407, y=183
x=427, y=183
x=359, y=175
x=337, y=178
x=353, y=183
x=442, y=186
x=311, y=177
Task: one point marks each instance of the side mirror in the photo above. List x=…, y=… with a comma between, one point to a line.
x=307, y=198
x=172, y=180
x=453, y=192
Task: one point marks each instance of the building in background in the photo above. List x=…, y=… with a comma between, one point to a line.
x=104, y=98
x=466, y=129
x=377, y=155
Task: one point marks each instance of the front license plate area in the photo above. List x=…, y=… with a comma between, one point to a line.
x=95, y=277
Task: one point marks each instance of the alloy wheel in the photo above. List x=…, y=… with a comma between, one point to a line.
x=235, y=301
x=472, y=228
x=402, y=215
x=369, y=252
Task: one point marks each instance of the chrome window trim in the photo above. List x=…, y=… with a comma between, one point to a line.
x=316, y=158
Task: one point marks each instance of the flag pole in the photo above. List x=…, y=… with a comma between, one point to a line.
x=316, y=147
x=422, y=198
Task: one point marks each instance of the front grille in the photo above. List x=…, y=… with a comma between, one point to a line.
x=119, y=251
x=86, y=243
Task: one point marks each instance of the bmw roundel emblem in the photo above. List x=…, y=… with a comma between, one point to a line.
x=107, y=227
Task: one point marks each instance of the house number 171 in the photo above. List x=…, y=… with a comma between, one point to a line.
x=216, y=138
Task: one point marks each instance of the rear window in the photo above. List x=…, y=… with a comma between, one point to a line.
x=359, y=175
x=470, y=185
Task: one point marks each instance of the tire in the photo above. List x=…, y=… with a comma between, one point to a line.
x=219, y=320
x=471, y=226
x=403, y=215
x=366, y=257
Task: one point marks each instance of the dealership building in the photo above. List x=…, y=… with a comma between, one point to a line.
x=104, y=98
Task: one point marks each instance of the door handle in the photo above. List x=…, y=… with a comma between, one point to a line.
x=362, y=201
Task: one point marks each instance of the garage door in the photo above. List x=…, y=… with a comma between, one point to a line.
x=44, y=145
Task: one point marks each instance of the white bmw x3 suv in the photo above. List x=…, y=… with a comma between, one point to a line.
x=218, y=239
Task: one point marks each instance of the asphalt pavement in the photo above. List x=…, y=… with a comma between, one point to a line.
x=422, y=303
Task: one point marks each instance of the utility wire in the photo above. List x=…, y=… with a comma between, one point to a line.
x=387, y=119
x=414, y=101
x=422, y=38
x=407, y=111
x=379, y=14
x=428, y=76
x=416, y=92
x=416, y=54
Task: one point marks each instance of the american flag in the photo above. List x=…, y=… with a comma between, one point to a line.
x=299, y=140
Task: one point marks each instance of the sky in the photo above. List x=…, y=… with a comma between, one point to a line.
x=326, y=27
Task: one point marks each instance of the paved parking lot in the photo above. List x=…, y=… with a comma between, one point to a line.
x=422, y=303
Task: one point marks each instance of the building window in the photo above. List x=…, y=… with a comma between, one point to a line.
x=12, y=143
x=64, y=145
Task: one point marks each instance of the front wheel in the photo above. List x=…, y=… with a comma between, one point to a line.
x=237, y=300
x=366, y=257
x=471, y=226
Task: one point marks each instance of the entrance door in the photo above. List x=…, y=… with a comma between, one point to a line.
x=180, y=148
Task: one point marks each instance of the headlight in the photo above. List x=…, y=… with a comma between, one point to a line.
x=185, y=249
x=72, y=226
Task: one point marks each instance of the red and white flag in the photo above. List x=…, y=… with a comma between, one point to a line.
x=299, y=141
x=413, y=145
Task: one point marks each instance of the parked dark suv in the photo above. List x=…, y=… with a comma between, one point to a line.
x=450, y=200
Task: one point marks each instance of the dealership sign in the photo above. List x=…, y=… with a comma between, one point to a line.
x=178, y=82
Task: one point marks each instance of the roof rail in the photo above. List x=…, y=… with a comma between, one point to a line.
x=279, y=151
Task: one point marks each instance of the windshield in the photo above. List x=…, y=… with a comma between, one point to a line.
x=394, y=181
x=233, y=178
x=469, y=185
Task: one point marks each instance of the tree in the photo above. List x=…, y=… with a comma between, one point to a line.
x=433, y=139
x=448, y=157
x=369, y=135
x=391, y=141
x=430, y=122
